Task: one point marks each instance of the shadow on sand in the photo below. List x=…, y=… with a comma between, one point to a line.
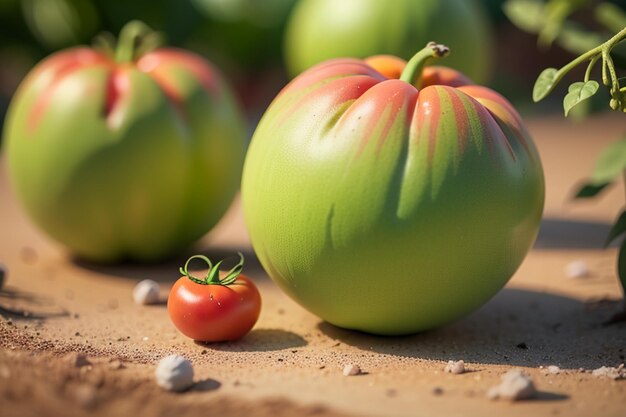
x=517, y=328
x=571, y=234
x=37, y=307
x=260, y=340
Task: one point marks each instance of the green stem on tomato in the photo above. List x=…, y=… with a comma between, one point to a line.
x=213, y=274
x=184, y=270
x=134, y=36
x=416, y=64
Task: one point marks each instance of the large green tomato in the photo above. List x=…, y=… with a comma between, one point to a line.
x=324, y=29
x=387, y=208
x=127, y=158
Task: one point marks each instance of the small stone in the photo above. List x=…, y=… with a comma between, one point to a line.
x=77, y=360
x=522, y=345
x=174, y=373
x=146, y=292
x=515, y=385
x=455, y=367
x=145, y=338
x=553, y=369
x=494, y=393
x=610, y=372
x=577, y=269
x=351, y=370
x=437, y=391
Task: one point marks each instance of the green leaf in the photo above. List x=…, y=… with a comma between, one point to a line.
x=618, y=228
x=578, y=92
x=581, y=111
x=556, y=13
x=611, y=163
x=214, y=274
x=589, y=190
x=527, y=15
x=545, y=84
x=621, y=265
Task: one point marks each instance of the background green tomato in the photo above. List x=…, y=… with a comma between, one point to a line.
x=125, y=160
x=323, y=29
x=386, y=209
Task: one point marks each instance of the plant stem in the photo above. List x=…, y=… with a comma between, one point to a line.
x=598, y=50
x=129, y=36
x=606, y=55
x=416, y=64
x=592, y=63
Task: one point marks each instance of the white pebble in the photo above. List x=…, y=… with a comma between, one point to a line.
x=610, y=372
x=577, y=269
x=351, y=370
x=515, y=385
x=553, y=369
x=174, y=373
x=455, y=367
x=146, y=292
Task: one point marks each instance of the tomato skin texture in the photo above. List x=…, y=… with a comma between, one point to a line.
x=214, y=313
x=386, y=208
x=132, y=160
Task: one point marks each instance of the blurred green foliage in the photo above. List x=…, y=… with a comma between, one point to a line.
x=553, y=22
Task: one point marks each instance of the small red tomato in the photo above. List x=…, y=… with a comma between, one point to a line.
x=214, y=309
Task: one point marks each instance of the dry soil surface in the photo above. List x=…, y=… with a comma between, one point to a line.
x=53, y=306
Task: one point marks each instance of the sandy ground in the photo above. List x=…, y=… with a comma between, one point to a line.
x=291, y=363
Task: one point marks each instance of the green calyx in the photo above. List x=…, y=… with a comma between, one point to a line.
x=416, y=64
x=213, y=274
x=136, y=39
